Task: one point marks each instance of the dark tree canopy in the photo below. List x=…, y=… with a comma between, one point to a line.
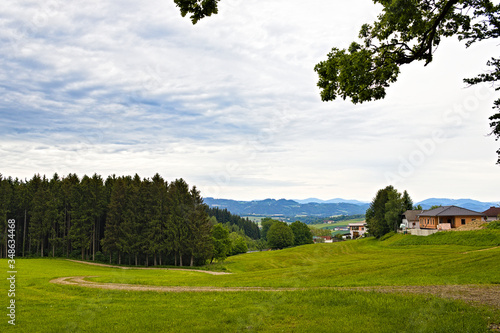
x=386, y=209
x=280, y=235
x=197, y=8
x=301, y=233
x=406, y=31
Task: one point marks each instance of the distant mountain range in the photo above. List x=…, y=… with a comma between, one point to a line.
x=283, y=207
x=337, y=200
x=325, y=208
x=475, y=205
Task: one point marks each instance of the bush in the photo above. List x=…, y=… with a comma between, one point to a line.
x=99, y=256
x=494, y=225
x=239, y=246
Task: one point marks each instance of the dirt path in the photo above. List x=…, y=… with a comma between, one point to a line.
x=80, y=281
x=490, y=248
x=473, y=294
x=169, y=269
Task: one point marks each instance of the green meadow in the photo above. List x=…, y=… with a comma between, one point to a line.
x=399, y=260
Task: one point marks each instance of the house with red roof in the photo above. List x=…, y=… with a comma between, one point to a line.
x=492, y=214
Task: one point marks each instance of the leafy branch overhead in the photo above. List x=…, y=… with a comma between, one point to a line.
x=197, y=8
x=405, y=31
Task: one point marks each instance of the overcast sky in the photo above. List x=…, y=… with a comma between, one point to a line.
x=231, y=104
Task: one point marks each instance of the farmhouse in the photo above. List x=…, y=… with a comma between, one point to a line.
x=410, y=219
x=447, y=217
x=492, y=214
x=322, y=239
x=357, y=229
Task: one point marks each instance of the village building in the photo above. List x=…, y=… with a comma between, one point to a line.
x=447, y=217
x=492, y=214
x=410, y=219
x=357, y=229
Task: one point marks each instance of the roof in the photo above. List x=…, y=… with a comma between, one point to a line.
x=357, y=224
x=492, y=211
x=412, y=215
x=450, y=211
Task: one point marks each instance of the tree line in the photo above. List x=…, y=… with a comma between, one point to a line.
x=147, y=221
x=223, y=216
x=280, y=235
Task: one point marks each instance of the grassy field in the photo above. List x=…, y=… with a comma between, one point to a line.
x=331, y=226
x=48, y=307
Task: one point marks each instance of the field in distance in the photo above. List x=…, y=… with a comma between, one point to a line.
x=312, y=288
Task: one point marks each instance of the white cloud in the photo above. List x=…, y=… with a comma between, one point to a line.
x=230, y=104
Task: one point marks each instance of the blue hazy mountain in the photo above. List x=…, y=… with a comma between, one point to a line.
x=336, y=200
x=471, y=204
x=326, y=208
x=285, y=207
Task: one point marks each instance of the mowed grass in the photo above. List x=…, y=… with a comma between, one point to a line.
x=46, y=307
x=335, y=224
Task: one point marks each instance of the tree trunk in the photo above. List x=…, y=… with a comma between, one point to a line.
x=83, y=253
x=175, y=258
x=180, y=259
x=24, y=231
x=147, y=260
x=110, y=255
x=192, y=261
x=154, y=259
x=160, y=259
x=53, y=250
x=68, y=247
x=136, y=259
x=42, y=247
x=119, y=258
x=93, y=243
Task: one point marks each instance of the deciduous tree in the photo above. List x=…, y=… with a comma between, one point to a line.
x=301, y=233
x=385, y=211
x=280, y=235
x=221, y=242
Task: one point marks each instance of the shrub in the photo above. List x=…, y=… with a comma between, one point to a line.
x=494, y=225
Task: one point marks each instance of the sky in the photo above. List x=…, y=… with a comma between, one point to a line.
x=231, y=104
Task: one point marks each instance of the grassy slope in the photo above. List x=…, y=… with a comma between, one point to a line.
x=46, y=307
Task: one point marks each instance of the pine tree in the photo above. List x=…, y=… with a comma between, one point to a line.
x=68, y=187
x=156, y=235
x=40, y=219
x=199, y=241
x=112, y=241
x=54, y=214
x=81, y=213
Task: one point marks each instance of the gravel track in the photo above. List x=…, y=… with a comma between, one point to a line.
x=169, y=269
